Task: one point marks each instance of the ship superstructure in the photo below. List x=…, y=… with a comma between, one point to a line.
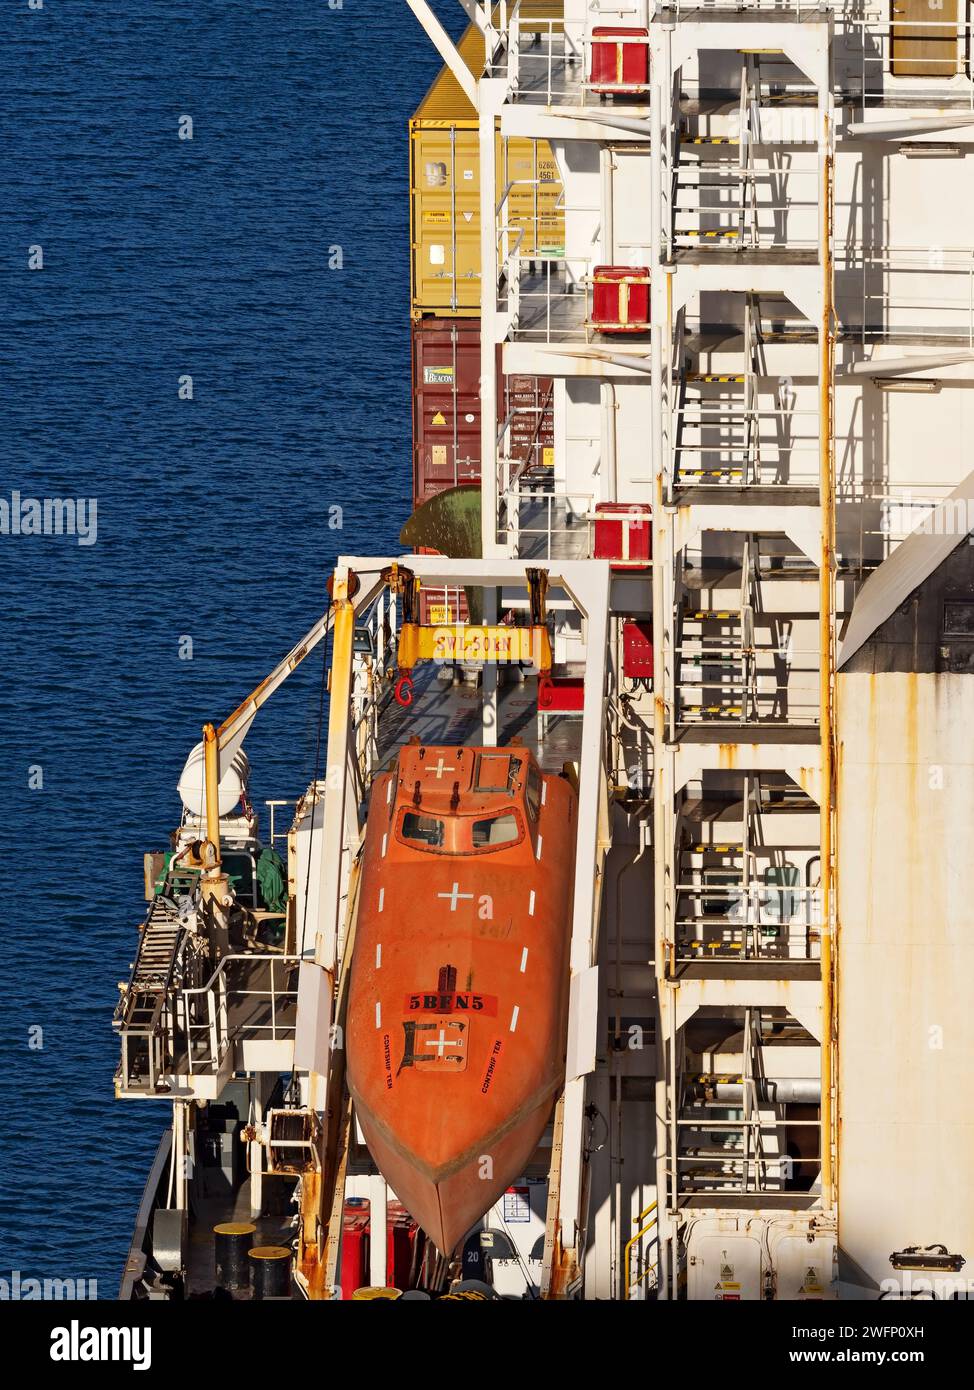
x=697, y=542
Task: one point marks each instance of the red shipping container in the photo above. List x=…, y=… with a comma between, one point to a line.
x=446, y=405
x=623, y=534
x=441, y=607
x=446, y=408
x=355, y=1246
x=526, y=404
x=438, y=605
x=619, y=67
x=620, y=299
x=637, y=650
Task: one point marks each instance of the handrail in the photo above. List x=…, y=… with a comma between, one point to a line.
x=217, y=1025
x=638, y=1236
x=543, y=527
x=254, y=957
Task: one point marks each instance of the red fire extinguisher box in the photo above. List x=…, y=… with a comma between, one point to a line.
x=620, y=299
x=637, y=650
x=623, y=534
x=619, y=66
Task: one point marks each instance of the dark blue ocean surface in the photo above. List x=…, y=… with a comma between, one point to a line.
x=165, y=258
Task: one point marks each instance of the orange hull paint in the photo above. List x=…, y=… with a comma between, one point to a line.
x=458, y=996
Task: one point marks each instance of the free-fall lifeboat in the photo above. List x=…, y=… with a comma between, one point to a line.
x=459, y=988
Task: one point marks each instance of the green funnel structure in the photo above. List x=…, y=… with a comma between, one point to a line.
x=450, y=524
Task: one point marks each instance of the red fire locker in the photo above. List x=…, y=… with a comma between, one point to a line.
x=623, y=534
x=617, y=65
x=620, y=299
x=637, y=650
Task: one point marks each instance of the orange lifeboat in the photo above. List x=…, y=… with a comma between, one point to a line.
x=459, y=987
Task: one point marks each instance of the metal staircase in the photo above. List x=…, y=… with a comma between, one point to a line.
x=734, y=1126
x=744, y=221
x=742, y=893
x=715, y=654
x=717, y=427
x=140, y=1016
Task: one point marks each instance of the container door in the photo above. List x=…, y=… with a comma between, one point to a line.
x=446, y=220
x=446, y=405
x=924, y=41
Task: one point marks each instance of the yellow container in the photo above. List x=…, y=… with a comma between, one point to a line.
x=445, y=195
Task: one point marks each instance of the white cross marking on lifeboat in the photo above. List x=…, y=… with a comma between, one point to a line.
x=454, y=895
x=441, y=1043
x=440, y=768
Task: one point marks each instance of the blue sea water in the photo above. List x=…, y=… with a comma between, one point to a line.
x=165, y=258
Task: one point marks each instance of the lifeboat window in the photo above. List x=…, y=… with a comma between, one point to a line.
x=534, y=791
x=422, y=830
x=496, y=831
x=497, y=772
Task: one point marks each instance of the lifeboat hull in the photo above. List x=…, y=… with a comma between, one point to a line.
x=446, y=1204
x=458, y=993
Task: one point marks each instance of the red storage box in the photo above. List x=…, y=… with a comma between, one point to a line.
x=619, y=66
x=355, y=1246
x=637, y=650
x=623, y=534
x=563, y=696
x=620, y=299
x=401, y=1236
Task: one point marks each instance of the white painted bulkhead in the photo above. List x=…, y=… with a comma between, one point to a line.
x=906, y=952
